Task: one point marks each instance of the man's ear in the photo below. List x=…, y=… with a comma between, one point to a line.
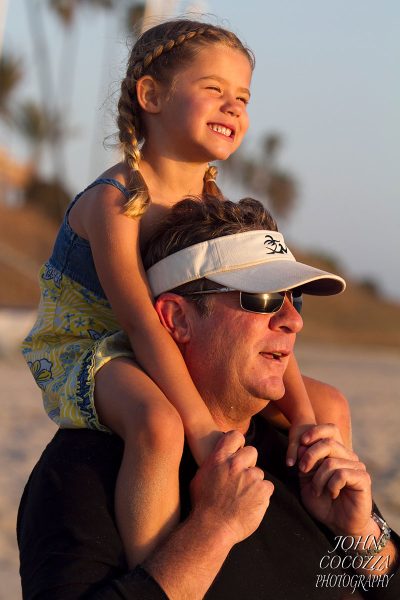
x=148, y=92
x=174, y=314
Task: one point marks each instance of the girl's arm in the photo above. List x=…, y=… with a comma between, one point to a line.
x=307, y=401
x=114, y=240
x=295, y=407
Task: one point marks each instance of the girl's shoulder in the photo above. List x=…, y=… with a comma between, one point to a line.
x=116, y=176
x=115, y=183
x=104, y=198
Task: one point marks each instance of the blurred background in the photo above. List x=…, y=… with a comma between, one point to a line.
x=321, y=152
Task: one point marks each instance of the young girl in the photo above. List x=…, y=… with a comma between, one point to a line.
x=183, y=104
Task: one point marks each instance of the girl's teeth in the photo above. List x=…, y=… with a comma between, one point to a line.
x=223, y=130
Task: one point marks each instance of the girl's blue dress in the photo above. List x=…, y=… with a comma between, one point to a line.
x=75, y=333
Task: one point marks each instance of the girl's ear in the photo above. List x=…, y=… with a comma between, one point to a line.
x=148, y=92
x=174, y=314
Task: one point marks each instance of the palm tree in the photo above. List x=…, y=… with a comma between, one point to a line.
x=46, y=85
x=53, y=104
x=38, y=128
x=67, y=12
x=11, y=73
x=134, y=14
x=262, y=176
x=66, y=9
x=56, y=96
x=3, y=18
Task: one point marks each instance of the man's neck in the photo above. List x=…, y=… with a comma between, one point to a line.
x=228, y=419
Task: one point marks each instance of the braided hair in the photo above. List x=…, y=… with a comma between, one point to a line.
x=160, y=52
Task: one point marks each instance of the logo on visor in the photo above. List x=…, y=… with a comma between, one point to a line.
x=274, y=246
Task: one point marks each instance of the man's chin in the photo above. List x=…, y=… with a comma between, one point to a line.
x=274, y=393
x=267, y=398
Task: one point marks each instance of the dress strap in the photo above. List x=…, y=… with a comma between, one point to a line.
x=109, y=181
x=99, y=181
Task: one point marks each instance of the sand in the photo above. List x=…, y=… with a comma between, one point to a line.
x=370, y=379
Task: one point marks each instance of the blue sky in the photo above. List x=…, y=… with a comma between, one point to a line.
x=326, y=79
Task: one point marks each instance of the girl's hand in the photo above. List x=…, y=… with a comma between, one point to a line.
x=203, y=445
x=296, y=432
x=335, y=486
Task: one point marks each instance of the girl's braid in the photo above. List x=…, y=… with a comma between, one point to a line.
x=129, y=135
x=210, y=187
x=142, y=64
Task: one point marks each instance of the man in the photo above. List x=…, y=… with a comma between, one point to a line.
x=228, y=291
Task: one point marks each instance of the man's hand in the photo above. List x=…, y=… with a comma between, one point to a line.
x=335, y=486
x=230, y=490
x=229, y=497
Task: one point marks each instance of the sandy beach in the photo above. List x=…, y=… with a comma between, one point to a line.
x=369, y=378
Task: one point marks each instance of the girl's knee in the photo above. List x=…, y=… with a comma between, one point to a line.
x=336, y=399
x=323, y=395
x=330, y=406
x=159, y=426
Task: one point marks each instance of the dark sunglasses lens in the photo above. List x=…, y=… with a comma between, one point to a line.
x=297, y=296
x=262, y=303
x=269, y=303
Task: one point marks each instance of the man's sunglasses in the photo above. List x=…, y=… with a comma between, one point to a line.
x=265, y=303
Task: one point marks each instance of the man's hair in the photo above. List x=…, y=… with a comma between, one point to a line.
x=195, y=220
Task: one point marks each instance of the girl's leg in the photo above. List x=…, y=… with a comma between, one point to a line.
x=147, y=488
x=330, y=406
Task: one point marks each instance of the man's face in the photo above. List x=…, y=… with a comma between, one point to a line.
x=237, y=359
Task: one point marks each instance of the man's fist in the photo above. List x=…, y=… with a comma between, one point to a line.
x=229, y=491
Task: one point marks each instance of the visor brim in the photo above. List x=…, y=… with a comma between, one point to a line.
x=281, y=275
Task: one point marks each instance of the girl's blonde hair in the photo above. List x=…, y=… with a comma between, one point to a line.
x=160, y=52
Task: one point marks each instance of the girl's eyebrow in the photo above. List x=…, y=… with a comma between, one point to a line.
x=222, y=80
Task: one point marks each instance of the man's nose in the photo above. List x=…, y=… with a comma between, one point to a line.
x=287, y=318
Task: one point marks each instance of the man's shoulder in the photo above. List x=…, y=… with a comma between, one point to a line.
x=70, y=448
x=76, y=466
x=66, y=528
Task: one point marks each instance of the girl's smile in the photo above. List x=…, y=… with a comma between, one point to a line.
x=223, y=130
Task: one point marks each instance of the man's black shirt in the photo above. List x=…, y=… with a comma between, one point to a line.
x=70, y=547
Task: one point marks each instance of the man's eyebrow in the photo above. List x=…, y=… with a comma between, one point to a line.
x=222, y=80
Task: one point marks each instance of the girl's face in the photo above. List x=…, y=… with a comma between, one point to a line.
x=203, y=116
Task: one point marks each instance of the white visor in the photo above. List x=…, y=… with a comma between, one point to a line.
x=253, y=261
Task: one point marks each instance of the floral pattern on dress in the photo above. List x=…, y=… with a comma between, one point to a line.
x=67, y=345
x=41, y=370
x=49, y=272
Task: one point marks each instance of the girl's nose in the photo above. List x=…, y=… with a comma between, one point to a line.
x=233, y=107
